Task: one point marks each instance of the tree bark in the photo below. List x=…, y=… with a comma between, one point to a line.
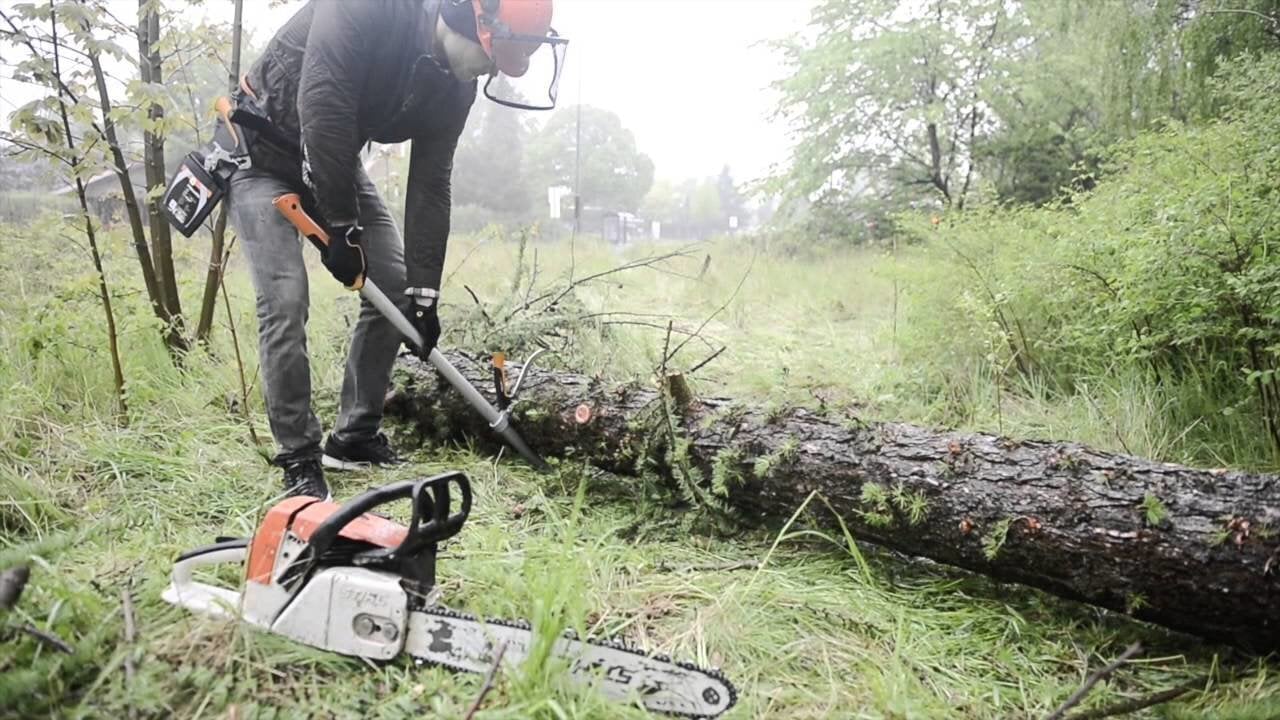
x=173, y=339
x=1194, y=550
x=104, y=295
x=213, y=275
x=152, y=74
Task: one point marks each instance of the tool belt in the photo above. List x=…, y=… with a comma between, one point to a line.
x=204, y=177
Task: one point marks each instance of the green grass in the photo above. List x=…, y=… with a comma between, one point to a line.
x=807, y=624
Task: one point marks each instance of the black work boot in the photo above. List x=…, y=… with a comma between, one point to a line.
x=305, y=476
x=359, y=454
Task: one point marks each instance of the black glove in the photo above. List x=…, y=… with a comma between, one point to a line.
x=345, y=257
x=424, y=315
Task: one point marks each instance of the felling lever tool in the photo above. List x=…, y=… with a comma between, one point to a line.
x=340, y=578
x=499, y=419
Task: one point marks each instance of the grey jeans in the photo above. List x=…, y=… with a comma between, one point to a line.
x=275, y=254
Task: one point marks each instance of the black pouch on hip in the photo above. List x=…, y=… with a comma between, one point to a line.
x=203, y=179
x=192, y=194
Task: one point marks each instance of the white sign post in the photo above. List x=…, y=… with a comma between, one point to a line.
x=555, y=194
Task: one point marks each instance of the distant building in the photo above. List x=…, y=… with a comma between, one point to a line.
x=106, y=200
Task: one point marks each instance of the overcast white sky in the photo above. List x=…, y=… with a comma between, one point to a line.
x=689, y=77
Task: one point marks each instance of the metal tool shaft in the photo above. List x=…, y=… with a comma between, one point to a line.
x=499, y=421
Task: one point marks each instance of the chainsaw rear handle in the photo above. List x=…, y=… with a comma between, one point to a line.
x=430, y=499
x=201, y=597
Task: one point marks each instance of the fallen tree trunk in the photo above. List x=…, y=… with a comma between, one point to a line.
x=1194, y=550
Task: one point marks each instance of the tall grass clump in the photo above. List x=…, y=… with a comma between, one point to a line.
x=1150, y=300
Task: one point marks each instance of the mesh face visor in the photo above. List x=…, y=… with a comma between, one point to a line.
x=528, y=70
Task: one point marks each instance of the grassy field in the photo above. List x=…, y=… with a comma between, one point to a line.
x=807, y=625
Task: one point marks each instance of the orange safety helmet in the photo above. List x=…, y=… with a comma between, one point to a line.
x=512, y=30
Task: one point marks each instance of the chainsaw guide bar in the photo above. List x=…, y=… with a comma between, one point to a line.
x=461, y=641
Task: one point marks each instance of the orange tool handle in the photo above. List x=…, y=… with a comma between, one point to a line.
x=223, y=106
x=290, y=205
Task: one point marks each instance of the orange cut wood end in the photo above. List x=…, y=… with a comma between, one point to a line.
x=582, y=414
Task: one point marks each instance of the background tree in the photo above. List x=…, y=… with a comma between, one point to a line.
x=217, y=245
x=664, y=202
x=489, y=162
x=732, y=201
x=884, y=91
x=50, y=126
x=1222, y=30
x=615, y=174
x=114, y=133
x=151, y=70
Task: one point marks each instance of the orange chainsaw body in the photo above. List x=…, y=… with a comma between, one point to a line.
x=301, y=516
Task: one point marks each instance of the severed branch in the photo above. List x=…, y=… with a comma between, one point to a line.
x=47, y=638
x=1142, y=703
x=488, y=683
x=130, y=634
x=557, y=296
x=640, y=323
x=487, y=320
x=717, y=567
x=706, y=362
x=698, y=333
x=1273, y=24
x=1094, y=679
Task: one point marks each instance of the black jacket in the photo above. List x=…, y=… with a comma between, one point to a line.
x=342, y=73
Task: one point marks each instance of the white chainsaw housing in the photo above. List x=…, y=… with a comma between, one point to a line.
x=346, y=610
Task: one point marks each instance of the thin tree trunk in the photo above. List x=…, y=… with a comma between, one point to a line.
x=217, y=261
x=935, y=163
x=1194, y=550
x=235, y=344
x=152, y=72
x=113, y=345
x=121, y=168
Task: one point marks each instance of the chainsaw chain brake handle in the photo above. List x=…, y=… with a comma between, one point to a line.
x=433, y=521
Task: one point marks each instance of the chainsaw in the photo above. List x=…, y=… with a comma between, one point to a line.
x=343, y=579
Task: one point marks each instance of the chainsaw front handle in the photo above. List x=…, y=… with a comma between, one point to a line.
x=431, y=502
x=200, y=597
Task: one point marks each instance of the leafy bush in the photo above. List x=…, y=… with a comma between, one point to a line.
x=1167, y=270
